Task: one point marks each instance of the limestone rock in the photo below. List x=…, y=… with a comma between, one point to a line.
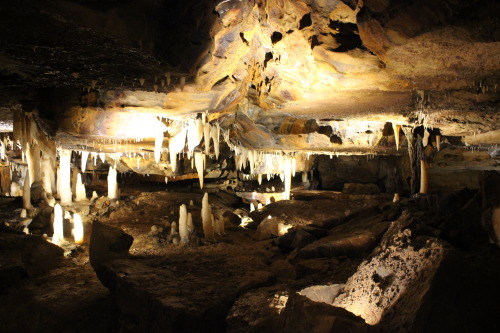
x=106, y=243
x=25, y=256
x=352, y=239
x=355, y=188
x=304, y=315
x=258, y=310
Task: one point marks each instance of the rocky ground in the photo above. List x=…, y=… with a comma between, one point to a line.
x=355, y=262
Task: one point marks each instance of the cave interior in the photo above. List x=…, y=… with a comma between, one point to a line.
x=249, y=166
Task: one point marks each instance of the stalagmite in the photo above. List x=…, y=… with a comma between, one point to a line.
x=64, y=176
x=183, y=228
x=94, y=197
x=206, y=217
x=191, y=203
x=48, y=176
x=80, y=193
x=77, y=228
x=304, y=177
x=190, y=225
x=23, y=213
x=438, y=142
x=31, y=164
x=158, y=144
x=112, y=184
x=423, y=177
x=173, y=228
x=58, y=235
x=37, y=175
x=425, y=140
x=199, y=161
x=27, y=191
x=206, y=137
x=396, y=197
x=252, y=207
x=85, y=157
x=176, y=145
x=396, y=129
x=259, y=178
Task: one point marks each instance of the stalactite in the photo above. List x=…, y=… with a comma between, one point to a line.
x=199, y=161
x=158, y=144
x=85, y=157
x=206, y=217
x=425, y=140
x=288, y=178
x=77, y=228
x=206, y=137
x=183, y=227
x=176, y=145
x=113, y=192
x=58, y=236
x=64, y=176
x=102, y=156
x=80, y=193
x=215, y=134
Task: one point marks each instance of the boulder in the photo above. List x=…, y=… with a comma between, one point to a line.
x=353, y=238
x=25, y=256
x=107, y=243
x=271, y=227
x=415, y=282
x=304, y=315
x=258, y=310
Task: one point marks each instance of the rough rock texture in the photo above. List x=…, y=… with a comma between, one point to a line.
x=352, y=238
x=408, y=281
x=258, y=310
x=318, y=211
x=303, y=315
x=25, y=256
x=490, y=194
x=107, y=243
x=187, y=290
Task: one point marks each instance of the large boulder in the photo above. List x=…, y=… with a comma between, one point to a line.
x=415, y=282
x=186, y=290
x=353, y=238
x=25, y=256
x=107, y=243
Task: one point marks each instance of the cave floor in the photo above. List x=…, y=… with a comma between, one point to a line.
x=70, y=297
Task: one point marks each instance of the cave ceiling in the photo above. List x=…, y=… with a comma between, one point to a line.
x=306, y=75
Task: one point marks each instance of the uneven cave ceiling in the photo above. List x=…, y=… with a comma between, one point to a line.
x=308, y=75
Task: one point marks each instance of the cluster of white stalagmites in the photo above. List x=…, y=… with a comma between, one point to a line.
x=207, y=218
x=113, y=192
x=58, y=235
